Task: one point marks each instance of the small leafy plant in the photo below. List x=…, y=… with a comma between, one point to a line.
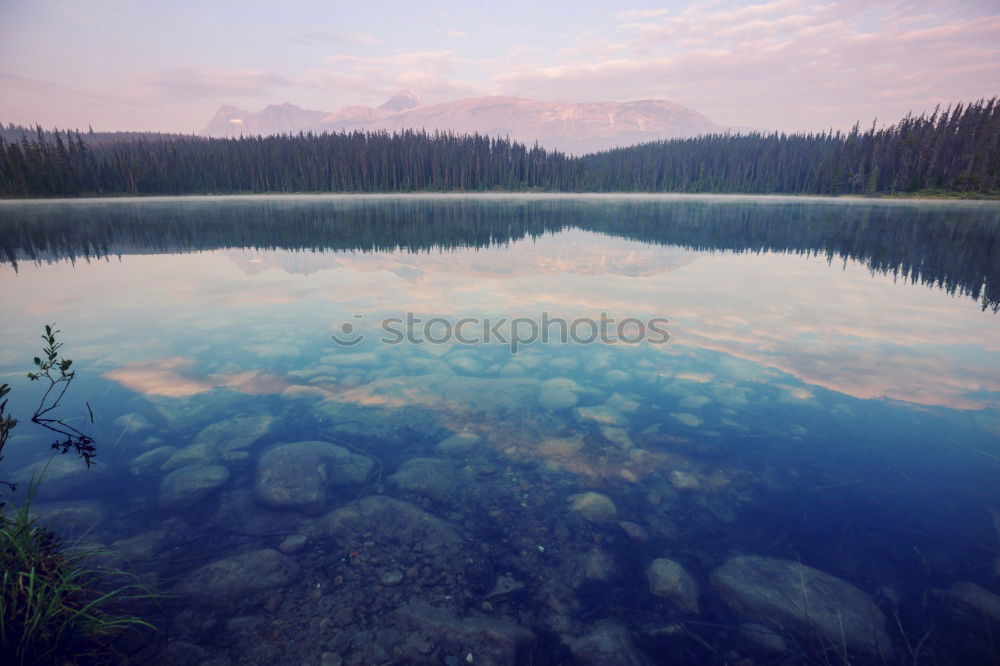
x=57, y=372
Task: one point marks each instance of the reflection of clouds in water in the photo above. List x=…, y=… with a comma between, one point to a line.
x=175, y=377
x=836, y=327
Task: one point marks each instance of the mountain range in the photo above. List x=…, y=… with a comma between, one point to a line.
x=574, y=128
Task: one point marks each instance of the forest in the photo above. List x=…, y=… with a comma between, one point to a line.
x=952, y=150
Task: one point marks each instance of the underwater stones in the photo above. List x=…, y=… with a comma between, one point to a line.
x=63, y=474
x=388, y=519
x=513, y=369
x=693, y=402
x=293, y=544
x=139, y=547
x=232, y=578
x=973, y=598
x=763, y=636
x=563, y=363
x=430, y=477
x=466, y=364
x=596, y=564
x=562, y=384
x=622, y=404
x=355, y=359
x=69, y=517
x=687, y=419
x=617, y=436
x=296, y=476
x=608, y=644
x=492, y=642
x=391, y=578
x=151, y=460
x=668, y=580
x=458, y=444
x=803, y=600
x=634, y=531
x=594, y=507
x=133, y=423
x=455, y=394
x=505, y=584
x=601, y=415
x=185, y=487
x=214, y=442
x=616, y=376
x=557, y=399
x=682, y=480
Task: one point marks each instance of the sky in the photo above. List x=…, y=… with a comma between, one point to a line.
x=789, y=65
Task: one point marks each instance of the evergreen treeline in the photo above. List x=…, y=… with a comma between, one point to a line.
x=955, y=249
x=955, y=149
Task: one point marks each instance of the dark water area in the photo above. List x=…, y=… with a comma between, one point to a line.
x=806, y=471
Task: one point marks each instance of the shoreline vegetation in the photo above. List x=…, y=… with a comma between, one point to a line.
x=954, y=153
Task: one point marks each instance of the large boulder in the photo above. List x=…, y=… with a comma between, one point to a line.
x=297, y=476
x=490, y=641
x=430, y=477
x=232, y=578
x=185, y=487
x=608, y=644
x=803, y=600
x=595, y=507
x=975, y=600
x=668, y=580
x=221, y=441
x=387, y=520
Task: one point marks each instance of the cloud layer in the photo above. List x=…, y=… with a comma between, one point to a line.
x=776, y=64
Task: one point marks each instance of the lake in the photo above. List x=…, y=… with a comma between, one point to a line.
x=524, y=429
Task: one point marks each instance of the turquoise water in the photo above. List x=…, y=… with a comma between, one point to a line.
x=829, y=397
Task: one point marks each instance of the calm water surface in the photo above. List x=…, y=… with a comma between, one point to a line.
x=807, y=472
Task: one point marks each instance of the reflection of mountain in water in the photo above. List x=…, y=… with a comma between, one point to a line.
x=955, y=248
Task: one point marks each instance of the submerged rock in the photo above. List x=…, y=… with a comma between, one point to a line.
x=668, y=580
x=622, y=404
x=430, y=477
x=293, y=544
x=608, y=644
x=214, y=442
x=595, y=507
x=69, y=518
x=185, y=487
x=601, y=415
x=296, y=476
x=491, y=642
x=682, y=480
x=458, y=444
x=151, y=460
x=557, y=399
x=133, y=423
x=763, y=636
x=562, y=384
x=232, y=578
x=388, y=519
x=64, y=476
x=973, y=598
x=803, y=600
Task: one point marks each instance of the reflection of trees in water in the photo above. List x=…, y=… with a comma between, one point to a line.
x=954, y=248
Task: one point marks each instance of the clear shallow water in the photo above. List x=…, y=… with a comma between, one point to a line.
x=830, y=395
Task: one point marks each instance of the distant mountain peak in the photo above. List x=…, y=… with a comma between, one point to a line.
x=404, y=100
x=572, y=127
